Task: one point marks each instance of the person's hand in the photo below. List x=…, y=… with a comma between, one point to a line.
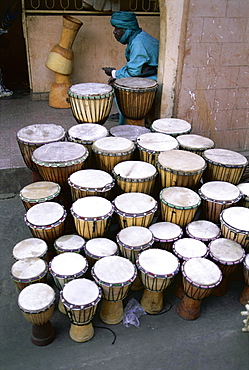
x=111, y=81
x=108, y=70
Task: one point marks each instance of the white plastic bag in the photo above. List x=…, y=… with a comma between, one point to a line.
x=132, y=312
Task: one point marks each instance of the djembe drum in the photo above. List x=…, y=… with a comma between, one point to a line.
x=135, y=209
x=135, y=176
x=165, y=234
x=86, y=134
x=66, y=267
x=89, y=182
x=150, y=145
x=30, y=247
x=80, y=298
x=91, y=102
x=195, y=143
x=97, y=248
x=29, y=271
x=244, y=189
x=36, y=302
x=179, y=205
x=203, y=230
x=234, y=223
x=200, y=277
x=109, y=151
x=224, y=165
x=180, y=168
x=157, y=269
x=244, y=296
x=228, y=255
x=135, y=96
x=216, y=196
x=131, y=241
x=92, y=216
x=69, y=243
x=32, y=137
x=171, y=126
x=39, y=192
x=114, y=274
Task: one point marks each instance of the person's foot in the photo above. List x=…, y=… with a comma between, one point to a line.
x=4, y=91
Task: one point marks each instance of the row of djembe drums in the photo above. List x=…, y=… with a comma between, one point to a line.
x=86, y=273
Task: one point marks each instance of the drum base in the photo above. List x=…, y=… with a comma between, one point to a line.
x=58, y=91
x=152, y=302
x=42, y=335
x=111, y=312
x=81, y=333
x=135, y=122
x=137, y=285
x=244, y=296
x=189, y=309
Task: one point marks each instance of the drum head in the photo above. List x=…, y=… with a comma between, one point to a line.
x=135, y=83
x=101, y=247
x=171, y=126
x=244, y=188
x=154, y=141
x=201, y=272
x=186, y=248
x=246, y=261
x=89, y=89
x=114, y=270
x=81, y=292
x=40, y=190
x=92, y=206
x=35, y=298
x=91, y=179
x=166, y=231
x=226, y=250
x=68, y=264
x=135, y=236
x=203, y=229
x=158, y=262
x=181, y=160
x=225, y=157
x=45, y=214
x=220, y=191
x=113, y=145
x=69, y=242
x=180, y=197
x=41, y=133
x=28, y=268
x=237, y=218
x=134, y=203
x=87, y=132
x=31, y=247
x=130, y=132
x=195, y=142
x=60, y=152
x=134, y=170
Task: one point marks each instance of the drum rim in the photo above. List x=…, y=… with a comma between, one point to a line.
x=135, y=248
x=178, y=207
x=156, y=239
x=150, y=151
x=114, y=154
x=61, y=164
x=219, y=164
x=83, y=140
x=41, y=310
x=160, y=276
x=74, y=307
x=95, y=257
x=207, y=199
x=63, y=276
x=181, y=173
x=226, y=263
x=199, y=285
x=230, y=227
x=184, y=258
x=105, y=188
x=61, y=137
x=44, y=199
x=34, y=278
x=135, y=215
x=46, y=227
x=133, y=180
x=93, y=96
x=98, y=218
x=109, y=285
x=246, y=266
x=154, y=85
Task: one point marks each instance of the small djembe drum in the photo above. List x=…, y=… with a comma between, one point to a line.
x=135, y=209
x=195, y=143
x=29, y=271
x=171, y=126
x=165, y=234
x=244, y=296
x=36, y=302
x=39, y=192
x=203, y=230
x=224, y=165
x=150, y=145
x=66, y=267
x=109, y=151
x=91, y=102
x=97, y=248
x=30, y=247
x=180, y=168
x=89, y=182
x=135, y=97
x=216, y=196
x=234, y=223
x=157, y=269
x=32, y=137
x=131, y=241
x=228, y=255
x=69, y=243
x=135, y=176
x=179, y=205
x=80, y=298
x=92, y=216
x=114, y=274
x=200, y=277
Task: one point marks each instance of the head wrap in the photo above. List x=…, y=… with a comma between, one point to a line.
x=125, y=20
